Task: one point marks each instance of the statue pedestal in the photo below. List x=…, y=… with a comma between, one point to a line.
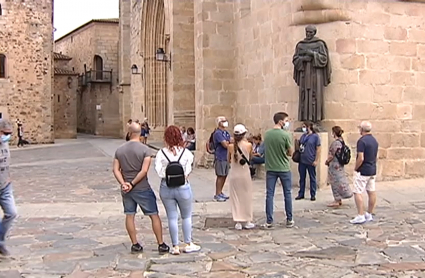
x=321, y=168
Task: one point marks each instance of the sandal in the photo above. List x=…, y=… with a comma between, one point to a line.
x=335, y=204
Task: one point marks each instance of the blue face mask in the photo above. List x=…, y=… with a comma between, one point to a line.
x=5, y=138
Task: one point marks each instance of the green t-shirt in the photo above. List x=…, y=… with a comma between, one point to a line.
x=276, y=145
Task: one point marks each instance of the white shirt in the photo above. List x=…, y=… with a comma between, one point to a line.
x=161, y=161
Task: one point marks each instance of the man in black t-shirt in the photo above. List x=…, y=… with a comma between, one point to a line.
x=365, y=172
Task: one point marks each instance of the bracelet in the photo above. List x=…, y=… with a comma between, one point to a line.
x=131, y=183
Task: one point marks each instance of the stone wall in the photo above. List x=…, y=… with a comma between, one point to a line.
x=65, y=106
x=26, y=39
x=96, y=38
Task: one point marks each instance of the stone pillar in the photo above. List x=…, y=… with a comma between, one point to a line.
x=321, y=169
x=214, y=69
x=181, y=89
x=124, y=63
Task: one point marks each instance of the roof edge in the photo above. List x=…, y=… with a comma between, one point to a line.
x=105, y=20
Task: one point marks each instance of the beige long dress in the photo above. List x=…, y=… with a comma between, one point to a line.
x=240, y=184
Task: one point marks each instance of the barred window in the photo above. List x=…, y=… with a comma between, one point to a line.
x=2, y=66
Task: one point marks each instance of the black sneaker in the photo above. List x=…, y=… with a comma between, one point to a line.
x=163, y=248
x=313, y=199
x=299, y=198
x=4, y=251
x=136, y=248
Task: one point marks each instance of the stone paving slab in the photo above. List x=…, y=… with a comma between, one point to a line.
x=71, y=225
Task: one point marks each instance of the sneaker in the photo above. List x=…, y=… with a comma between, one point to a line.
x=175, y=250
x=223, y=196
x=163, y=248
x=249, y=225
x=267, y=226
x=290, y=223
x=238, y=226
x=191, y=247
x=3, y=251
x=299, y=198
x=368, y=216
x=359, y=219
x=219, y=198
x=313, y=199
x=135, y=248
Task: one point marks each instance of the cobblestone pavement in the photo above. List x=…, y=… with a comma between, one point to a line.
x=71, y=225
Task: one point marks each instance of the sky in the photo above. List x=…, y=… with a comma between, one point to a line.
x=70, y=14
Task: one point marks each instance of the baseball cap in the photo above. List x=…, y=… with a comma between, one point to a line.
x=239, y=129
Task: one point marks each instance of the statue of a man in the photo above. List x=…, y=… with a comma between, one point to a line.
x=312, y=73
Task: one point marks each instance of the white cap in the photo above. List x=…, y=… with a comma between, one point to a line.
x=239, y=129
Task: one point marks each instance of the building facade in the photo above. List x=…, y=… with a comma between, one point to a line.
x=94, y=51
x=26, y=47
x=234, y=58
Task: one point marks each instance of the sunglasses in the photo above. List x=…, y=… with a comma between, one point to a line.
x=7, y=133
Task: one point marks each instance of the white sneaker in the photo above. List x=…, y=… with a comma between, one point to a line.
x=359, y=219
x=175, y=250
x=249, y=225
x=238, y=226
x=192, y=248
x=368, y=216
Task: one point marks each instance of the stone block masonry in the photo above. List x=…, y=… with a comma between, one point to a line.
x=26, y=39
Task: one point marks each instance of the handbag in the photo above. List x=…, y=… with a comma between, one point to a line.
x=251, y=168
x=296, y=156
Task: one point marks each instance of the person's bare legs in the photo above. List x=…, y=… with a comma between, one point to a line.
x=358, y=198
x=131, y=227
x=219, y=184
x=371, y=201
x=157, y=228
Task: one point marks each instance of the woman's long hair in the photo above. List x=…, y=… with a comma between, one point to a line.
x=238, y=138
x=173, y=137
x=337, y=130
x=310, y=125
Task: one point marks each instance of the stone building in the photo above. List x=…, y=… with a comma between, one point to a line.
x=26, y=46
x=94, y=51
x=234, y=58
x=64, y=98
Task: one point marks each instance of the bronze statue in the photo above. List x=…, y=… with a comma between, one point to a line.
x=312, y=73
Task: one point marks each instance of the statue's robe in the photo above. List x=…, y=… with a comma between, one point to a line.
x=312, y=77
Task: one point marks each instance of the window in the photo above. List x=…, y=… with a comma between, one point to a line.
x=2, y=66
x=1, y=11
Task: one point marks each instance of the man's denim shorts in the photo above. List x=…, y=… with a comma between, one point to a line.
x=145, y=199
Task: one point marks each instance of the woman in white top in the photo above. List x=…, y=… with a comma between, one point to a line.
x=181, y=196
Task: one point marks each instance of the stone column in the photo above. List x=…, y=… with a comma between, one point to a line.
x=125, y=63
x=214, y=69
x=181, y=89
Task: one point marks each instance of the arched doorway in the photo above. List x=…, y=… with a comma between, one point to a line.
x=155, y=72
x=98, y=67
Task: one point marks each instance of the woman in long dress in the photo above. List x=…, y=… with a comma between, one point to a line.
x=240, y=179
x=336, y=174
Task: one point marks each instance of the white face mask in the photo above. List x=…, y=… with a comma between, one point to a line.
x=304, y=129
x=285, y=125
x=225, y=124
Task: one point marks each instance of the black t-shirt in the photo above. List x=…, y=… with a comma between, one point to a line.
x=368, y=145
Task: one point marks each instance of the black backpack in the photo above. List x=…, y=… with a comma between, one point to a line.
x=210, y=144
x=174, y=173
x=343, y=154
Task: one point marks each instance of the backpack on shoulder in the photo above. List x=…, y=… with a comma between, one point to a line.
x=210, y=144
x=174, y=172
x=343, y=154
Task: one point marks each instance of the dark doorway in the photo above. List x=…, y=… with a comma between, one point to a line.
x=98, y=67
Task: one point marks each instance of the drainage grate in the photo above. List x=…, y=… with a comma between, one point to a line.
x=219, y=222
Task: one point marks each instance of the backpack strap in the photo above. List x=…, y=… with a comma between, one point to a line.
x=162, y=150
x=181, y=155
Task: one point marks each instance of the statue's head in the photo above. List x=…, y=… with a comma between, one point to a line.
x=310, y=32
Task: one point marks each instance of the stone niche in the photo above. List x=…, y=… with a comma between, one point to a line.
x=318, y=11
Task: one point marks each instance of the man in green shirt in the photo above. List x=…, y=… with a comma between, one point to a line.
x=278, y=149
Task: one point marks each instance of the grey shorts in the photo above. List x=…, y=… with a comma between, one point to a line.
x=221, y=168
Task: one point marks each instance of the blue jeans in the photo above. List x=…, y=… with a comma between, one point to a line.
x=7, y=203
x=257, y=160
x=285, y=179
x=180, y=197
x=302, y=169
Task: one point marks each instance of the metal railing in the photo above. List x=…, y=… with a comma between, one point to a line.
x=98, y=76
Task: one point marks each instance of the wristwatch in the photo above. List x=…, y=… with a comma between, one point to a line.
x=131, y=183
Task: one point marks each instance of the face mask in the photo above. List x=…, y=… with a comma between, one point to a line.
x=285, y=125
x=5, y=138
x=304, y=129
x=225, y=124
